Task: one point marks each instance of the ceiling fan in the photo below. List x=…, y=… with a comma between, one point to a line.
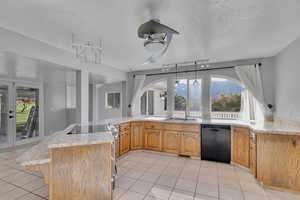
x=157, y=38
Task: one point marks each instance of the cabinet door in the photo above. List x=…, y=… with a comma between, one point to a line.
x=124, y=142
x=278, y=160
x=153, y=139
x=117, y=147
x=171, y=142
x=190, y=144
x=137, y=135
x=241, y=146
x=253, y=154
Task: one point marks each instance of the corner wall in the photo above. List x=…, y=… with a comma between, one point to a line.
x=103, y=112
x=287, y=82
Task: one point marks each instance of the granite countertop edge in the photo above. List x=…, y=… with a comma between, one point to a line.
x=263, y=128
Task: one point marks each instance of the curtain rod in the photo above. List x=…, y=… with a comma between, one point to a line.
x=195, y=70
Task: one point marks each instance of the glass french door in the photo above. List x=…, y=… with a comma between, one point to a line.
x=20, y=120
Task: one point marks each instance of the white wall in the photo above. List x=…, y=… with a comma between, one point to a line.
x=22, y=45
x=104, y=113
x=268, y=71
x=158, y=104
x=287, y=82
x=54, y=79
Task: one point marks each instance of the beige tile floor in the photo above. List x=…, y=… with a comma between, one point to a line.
x=15, y=182
x=156, y=176
x=144, y=175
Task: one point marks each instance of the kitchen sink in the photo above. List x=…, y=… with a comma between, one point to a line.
x=179, y=119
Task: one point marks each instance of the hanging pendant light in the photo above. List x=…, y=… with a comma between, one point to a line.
x=176, y=82
x=196, y=83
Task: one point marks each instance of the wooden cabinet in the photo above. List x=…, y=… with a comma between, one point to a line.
x=117, y=147
x=137, y=135
x=153, y=139
x=278, y=161
x=117, y=142
x=171, y=141
x=152, y=125
x=241, y=146
x=124, y=138
x=253, y=153
x=190, y=144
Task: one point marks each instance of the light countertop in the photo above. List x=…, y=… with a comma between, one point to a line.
x=265, y=127
x=39, y=153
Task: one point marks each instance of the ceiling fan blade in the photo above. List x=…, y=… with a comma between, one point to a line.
x=152, y=27
x=155, y=57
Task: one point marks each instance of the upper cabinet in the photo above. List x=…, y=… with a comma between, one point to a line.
x=137, y=135
x=241, y=146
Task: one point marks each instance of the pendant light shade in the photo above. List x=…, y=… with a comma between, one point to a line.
x=176, y=81
x=196, y=83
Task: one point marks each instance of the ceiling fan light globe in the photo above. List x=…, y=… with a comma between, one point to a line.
x=154, y=45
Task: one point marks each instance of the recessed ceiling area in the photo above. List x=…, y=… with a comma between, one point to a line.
x=219, y=30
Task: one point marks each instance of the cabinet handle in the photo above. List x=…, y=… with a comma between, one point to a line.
x=294, y=143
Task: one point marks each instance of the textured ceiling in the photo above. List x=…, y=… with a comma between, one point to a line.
x=219, y=30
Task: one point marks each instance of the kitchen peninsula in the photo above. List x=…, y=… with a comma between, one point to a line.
x=75, y=166
x=270, y=151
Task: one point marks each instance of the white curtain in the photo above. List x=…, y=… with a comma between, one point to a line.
x=251, y=79
x=138, y=83
x=250, y=108
x=245, y=106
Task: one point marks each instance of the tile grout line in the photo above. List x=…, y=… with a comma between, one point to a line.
x=23, y=189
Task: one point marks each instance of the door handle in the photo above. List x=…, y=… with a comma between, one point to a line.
x=10, y=117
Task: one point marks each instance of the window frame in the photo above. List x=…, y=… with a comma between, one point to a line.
x=188, y=99
x=146, y=92
x=107, y=107
x=238, y=114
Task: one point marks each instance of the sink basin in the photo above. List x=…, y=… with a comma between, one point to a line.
x=180, y=119
x=155, y=118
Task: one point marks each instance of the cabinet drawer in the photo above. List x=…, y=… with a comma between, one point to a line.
x=242, y=130
x=124, y=127
x=152, y=125
x=172, y=127
x=192, y=134
x=190, y=128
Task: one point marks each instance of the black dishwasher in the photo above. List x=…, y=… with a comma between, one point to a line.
x=216, y=143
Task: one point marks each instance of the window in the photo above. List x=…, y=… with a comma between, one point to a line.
x=113, y=100
x=154, y=99
x=147, y=101
x=187, y=98
x=180, y=95
x=195, y=94
x=225, y=98
x=71, y=96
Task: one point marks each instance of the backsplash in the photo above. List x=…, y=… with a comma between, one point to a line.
x=284, y=123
